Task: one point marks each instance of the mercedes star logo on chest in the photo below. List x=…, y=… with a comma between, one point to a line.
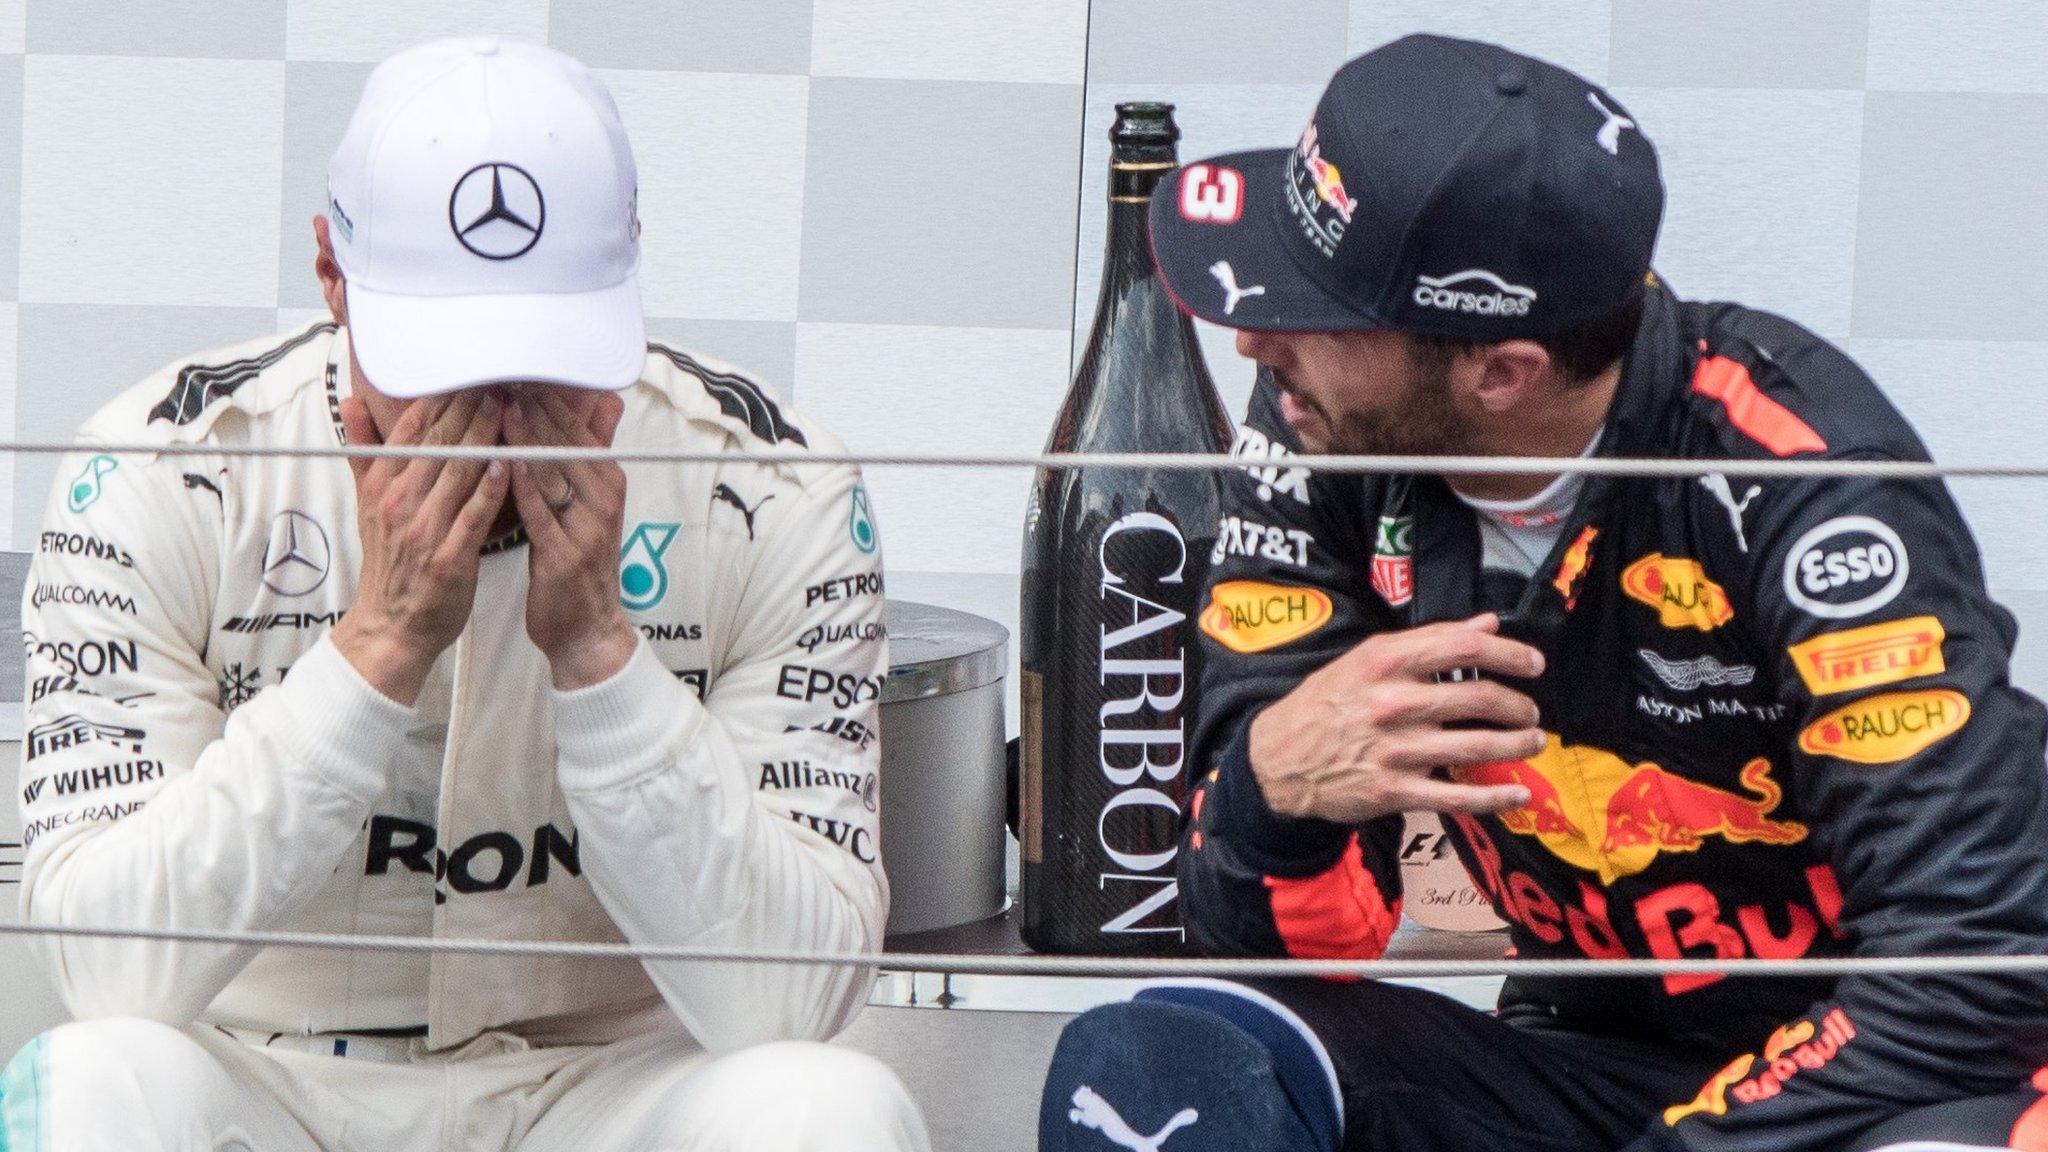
x=296, y=559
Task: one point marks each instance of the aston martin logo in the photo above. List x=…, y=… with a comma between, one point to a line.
x=497, y=211
x=296, y=560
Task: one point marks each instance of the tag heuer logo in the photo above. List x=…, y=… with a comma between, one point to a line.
x=1393, y=560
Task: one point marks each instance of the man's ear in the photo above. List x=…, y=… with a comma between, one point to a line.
x=1510, y=373
x=325, y=267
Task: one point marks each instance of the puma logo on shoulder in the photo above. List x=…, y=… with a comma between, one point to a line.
x=724, y=493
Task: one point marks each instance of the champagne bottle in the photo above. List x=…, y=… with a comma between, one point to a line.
x=1115, y=560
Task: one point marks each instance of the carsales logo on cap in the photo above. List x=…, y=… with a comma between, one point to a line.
x=1474, y=290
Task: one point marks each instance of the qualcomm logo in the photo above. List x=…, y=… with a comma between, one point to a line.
x=1474, y=290
x=1090, y=1110
x=643, y=578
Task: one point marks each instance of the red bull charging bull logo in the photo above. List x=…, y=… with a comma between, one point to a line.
x=1596, y=811
x=1316, y=194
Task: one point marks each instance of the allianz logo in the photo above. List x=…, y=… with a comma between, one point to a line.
x=1474, y=290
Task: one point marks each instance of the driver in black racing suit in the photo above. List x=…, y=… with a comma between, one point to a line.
x=1713, y=716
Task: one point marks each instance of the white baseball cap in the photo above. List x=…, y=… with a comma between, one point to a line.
x=483, y=210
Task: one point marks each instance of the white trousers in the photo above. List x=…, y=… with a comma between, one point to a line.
x=137, y=1086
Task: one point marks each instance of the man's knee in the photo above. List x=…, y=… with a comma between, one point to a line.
x=95, y=1082
x=800, y=1096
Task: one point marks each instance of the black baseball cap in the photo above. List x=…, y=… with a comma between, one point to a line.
x=1444, y=186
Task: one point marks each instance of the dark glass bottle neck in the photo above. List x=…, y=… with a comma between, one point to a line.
x=1126, y=241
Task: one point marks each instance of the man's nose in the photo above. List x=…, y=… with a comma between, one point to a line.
x=1264, y=347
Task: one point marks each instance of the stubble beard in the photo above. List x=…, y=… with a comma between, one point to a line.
x=1423, y=422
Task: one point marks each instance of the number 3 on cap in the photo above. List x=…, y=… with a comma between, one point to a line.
x=1211, y=195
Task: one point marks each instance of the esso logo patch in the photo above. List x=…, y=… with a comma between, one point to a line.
x=1846, y=567
x=1211, y=195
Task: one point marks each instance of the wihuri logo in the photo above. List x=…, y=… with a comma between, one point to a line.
x=1474, y=290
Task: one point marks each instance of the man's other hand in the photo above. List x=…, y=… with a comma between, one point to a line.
x=422, y=524
x=1359, y=737
x=574, y=515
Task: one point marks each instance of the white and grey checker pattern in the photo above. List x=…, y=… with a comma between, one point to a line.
x=872, y=203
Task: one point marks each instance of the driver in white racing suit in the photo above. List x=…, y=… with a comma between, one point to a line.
x=447, y=700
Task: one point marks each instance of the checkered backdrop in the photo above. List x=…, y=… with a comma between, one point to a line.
x=873, y=204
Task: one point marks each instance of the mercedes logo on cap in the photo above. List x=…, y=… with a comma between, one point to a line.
x=296, y=560
x=496, y=211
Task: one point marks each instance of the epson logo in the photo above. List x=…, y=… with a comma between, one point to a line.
x=1476, y=291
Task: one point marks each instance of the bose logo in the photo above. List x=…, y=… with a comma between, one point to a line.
x=1494, y=297
x=1829, y=569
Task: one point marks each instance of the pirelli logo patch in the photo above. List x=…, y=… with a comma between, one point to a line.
x=1888, y=728
x=1872, y=655
x=1251, y=616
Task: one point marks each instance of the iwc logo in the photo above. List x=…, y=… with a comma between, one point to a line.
x=497, y=211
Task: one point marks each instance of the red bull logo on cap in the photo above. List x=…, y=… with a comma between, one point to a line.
x=1330, y=186
x=1316, y=194
x=1596, y=811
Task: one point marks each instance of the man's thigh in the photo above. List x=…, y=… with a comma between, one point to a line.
x=139, y=1086
x=2017, y=1119
x=1421, y=1072
x=663, y=1094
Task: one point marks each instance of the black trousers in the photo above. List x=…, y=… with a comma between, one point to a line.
x=1423, y=1073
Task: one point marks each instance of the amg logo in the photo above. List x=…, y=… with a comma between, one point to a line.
x=70, y=731
x=486, y=862
x=272, y=620
x=672, y=631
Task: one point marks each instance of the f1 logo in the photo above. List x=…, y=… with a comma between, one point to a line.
x=1212, y=195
